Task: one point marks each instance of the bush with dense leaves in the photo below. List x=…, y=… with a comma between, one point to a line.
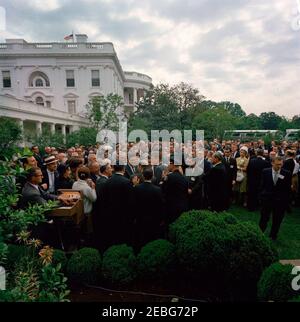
x=119, y=264
x=14, y=254
x=156, y=259
x=220, y=246
x=84, y=266
x=275, y=284
x=59, y=257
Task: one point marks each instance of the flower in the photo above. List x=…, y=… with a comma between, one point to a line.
x=36, y=243
x=23, y=236
x=46, y=255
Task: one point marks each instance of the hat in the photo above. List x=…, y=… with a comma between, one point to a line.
x=244, y=148
x=49, y=160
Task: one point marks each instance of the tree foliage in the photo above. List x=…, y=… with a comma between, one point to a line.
x=103, y=111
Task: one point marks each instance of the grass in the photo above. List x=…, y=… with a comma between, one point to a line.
x=288, y=240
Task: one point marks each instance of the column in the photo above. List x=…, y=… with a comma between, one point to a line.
x=63, y=131
x=38, y=125
x=134, y=96
x=52, y=128
x=21, y=125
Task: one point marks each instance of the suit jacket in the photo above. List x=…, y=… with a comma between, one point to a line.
x=118, y=209
x=289, y=165
x=217, y=188
x=278, y=193
x=236, y=154
x=157, y=174
x=129, y=171
x=150, y=212
x=39, y=160
x=175, y=190
x=46, y=179
x=30, y=195
x=231, y=169
x=254, y=172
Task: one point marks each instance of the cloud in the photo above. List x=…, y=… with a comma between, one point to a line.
x=239, y=50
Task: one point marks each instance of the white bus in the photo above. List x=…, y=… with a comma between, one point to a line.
x=292, y=135
x=249, y=134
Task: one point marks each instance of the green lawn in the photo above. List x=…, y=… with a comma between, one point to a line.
x=288, y=241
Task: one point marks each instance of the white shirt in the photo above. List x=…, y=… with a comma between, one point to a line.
x=274, y=174
x=296, y=168
x=89, y=194
x=51, y=187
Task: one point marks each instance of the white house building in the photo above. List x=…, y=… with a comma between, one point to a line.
x=46, y=86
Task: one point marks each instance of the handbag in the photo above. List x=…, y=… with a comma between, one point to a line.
x=240, y=176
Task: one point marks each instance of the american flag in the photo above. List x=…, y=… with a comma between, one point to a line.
x=68, y=37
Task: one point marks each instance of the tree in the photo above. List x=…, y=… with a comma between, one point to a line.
x=250, y=122
x=270, y=121
x=10, y=134
x=166, y=107
x=296, y=122
x=56, y=140
x=233, y=108
x=103, y=111
x=84, y=136
x=214, y=122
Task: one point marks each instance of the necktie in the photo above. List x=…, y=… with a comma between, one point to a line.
x=275, y=177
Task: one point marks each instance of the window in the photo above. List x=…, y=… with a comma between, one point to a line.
x=6, y=78
x=38, y=79
x=72, y=107
x=70, y=78
x=95, y=78
x=39, y=82
x=39, y=101
x=130, y=97
x=48, y=104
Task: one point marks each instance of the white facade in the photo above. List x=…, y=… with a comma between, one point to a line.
x=51, y=83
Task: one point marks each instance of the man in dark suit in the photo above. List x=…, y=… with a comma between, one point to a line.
x=50, y=175
x=216, y=181
x=119, y=208
x=32, y=194
x=254, y=171
x=176, y=192
x=150, y=210
x=36, y=153
x=275, y=193
x=231, y=171
x=100, y=234
x=130, y=170
x=235, y=151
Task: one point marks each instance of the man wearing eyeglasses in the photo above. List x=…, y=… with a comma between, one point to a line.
x=32, y=192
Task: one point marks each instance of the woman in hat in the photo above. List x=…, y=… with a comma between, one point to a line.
x=241, y=180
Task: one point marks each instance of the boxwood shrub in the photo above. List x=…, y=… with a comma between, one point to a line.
x=275, y=284
x=84, y=266
x=119, y=265
x=59, y=257
x=219, y=246
x=156, y=259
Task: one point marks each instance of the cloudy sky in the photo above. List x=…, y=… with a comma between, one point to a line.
x=245, y=51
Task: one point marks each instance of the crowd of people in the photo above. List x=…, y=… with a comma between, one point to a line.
x=135, y=203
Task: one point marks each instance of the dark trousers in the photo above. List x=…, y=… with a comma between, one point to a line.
x=277, y=211
x=253, y=199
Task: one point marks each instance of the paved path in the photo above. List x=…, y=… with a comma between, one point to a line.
x=295, y=262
